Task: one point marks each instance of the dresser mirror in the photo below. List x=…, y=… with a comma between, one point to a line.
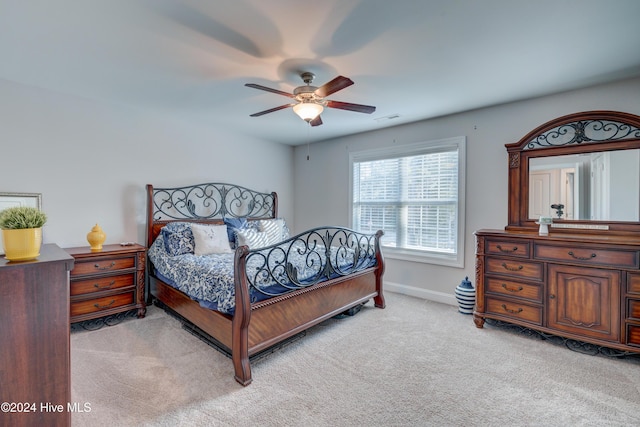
x=598, y=186
x=583, y=170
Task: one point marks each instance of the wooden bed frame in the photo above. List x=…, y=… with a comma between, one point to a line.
x=254, y=327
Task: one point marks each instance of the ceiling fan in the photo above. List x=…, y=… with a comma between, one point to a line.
x=310, y=100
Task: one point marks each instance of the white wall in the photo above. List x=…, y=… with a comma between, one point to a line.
x=321, y=193
x=91, y=161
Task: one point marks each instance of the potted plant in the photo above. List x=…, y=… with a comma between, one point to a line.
x=22, y=232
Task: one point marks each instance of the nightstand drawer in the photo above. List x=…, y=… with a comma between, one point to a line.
x=517, y=248
x=515, y=268
x=604, y=257
x=107, y=282
x=94, y=266
x=99, y=284
x=514, y=289
x=515, y=310
x=102, y=304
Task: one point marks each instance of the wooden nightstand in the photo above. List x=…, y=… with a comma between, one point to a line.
x=107, y=282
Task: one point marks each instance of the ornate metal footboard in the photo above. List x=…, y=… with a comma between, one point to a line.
x=304, y=260
x=320, y=273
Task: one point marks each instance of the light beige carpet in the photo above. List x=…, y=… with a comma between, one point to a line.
x=415, y=363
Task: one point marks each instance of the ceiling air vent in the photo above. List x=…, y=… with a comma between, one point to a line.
x=387, y=118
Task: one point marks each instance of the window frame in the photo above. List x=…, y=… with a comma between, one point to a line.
x=425, y=147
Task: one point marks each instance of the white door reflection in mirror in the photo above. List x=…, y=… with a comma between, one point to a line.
x=568, y=193
x=542, y=192
x=554, y=193
x=600, y=170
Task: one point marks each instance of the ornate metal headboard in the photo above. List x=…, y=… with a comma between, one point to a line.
x=205, y=203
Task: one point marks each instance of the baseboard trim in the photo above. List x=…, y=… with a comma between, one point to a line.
x=442, y=297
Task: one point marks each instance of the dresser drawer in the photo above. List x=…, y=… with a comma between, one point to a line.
x=633, y=284
x=604, y=257
x=515, y=268
x=633, y=310
x=514, y=289
x=102, y=304
x=98, y=284
x=515, y=310
x=633, y=335
x=94, y=266
x=517, y=248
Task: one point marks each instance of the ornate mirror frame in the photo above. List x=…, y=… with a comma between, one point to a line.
x=586, y=132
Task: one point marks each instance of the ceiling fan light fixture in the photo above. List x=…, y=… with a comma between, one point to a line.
x=309, y=101
x=308, y=111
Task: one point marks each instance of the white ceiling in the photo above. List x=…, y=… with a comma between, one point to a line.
x=416, y=59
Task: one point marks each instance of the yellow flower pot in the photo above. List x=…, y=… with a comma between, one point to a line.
x=22, y=244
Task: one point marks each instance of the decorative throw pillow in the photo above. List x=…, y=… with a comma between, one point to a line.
x=178, y=238
x=210, y=239
x=276, y=229
x=252, y=238
x=234, y=224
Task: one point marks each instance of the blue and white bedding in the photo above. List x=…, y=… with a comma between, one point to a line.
x=277, y=269
x=195, y=275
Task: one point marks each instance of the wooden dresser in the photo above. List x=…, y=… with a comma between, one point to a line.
x=35, y=378
x=581, y=287
x=107, y=282
x=581, y=281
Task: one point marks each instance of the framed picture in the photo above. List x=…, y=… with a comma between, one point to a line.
x=10, y=200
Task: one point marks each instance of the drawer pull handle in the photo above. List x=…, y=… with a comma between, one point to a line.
x=582, y=258
x=104, y=306
x=97, y=266
x=518, y=268
x=504, y=285
x=507, y=251
x=97, y=285
x=511, y=311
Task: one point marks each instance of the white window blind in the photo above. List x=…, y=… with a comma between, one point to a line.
x=413, y=195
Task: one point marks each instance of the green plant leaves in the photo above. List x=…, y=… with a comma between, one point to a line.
x=22, y=217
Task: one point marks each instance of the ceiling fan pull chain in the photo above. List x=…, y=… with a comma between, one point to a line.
x=308, y=139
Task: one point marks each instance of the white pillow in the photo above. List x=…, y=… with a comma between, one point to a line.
x=210, y=239
x=275, y=229
x=252, y=238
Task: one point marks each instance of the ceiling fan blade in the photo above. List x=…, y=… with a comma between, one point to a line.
x=316, y=122
x=268, y=89
x=333, y=86
x=282, y=107
x=358, y=108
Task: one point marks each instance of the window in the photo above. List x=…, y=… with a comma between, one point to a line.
x=415, y=194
